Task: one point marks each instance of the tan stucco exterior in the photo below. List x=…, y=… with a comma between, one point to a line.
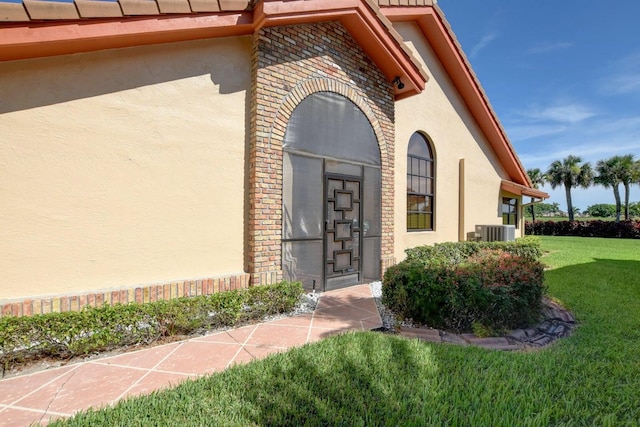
x=141, y=157
x=123, y=167
x=441, y=114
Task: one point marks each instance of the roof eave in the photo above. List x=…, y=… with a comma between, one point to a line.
x=437, y=30
x=522, y=190
x=361, y=18
x=42, y=39
x=369, y=28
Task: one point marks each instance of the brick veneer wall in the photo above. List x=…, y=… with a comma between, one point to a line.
x=138, y=294
x=290, y=63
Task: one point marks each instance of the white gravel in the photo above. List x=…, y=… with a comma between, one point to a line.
x=308, y=303
x=388, y=318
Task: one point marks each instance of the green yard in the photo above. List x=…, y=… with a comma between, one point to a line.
x=591, y=378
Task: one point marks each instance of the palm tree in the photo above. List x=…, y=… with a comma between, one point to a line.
x=570, y=172
x=628, y=174
x=537, y=179
x=609, y=176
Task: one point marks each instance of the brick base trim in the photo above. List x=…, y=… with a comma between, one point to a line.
x=137, y=294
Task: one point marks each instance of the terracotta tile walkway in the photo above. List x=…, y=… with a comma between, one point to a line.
x=59, y=392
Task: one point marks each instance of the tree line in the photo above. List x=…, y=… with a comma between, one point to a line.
x=599, y=210
x=571, y=172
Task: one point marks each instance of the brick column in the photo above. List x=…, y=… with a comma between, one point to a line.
x=290, y=63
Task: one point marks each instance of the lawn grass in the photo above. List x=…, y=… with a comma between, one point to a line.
x=590, y=378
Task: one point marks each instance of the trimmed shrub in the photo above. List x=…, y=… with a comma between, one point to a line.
x=594, y=228
x=490, y=287
x=70, y=334
x=455, y=252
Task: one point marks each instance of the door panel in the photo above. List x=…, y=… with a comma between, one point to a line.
x=342, y=230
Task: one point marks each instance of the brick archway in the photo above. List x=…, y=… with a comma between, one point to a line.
x=311, y=86
x=283, y=77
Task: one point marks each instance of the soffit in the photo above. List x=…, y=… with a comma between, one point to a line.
x=523, y=190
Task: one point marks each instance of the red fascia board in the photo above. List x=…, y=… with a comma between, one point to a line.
x=363, y=25
x=382, y=38
x=50, y=39
x=452, y=59
x=39, y=39
x=389, y=60
x=514, y=188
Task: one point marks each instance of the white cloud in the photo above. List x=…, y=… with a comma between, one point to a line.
x=591, y=151
x=549, y=47
x=602, y=138
x=623, y=76
x=629, y=126
x=524, y=132
x=544, y=134
x=566, y=113
x=484, y=42
x=624, y=84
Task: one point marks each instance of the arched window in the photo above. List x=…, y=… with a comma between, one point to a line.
x=420, y=184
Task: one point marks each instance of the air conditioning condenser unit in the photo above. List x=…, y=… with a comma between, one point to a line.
x=493, y=233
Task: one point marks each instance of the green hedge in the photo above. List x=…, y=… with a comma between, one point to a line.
x=455, y=252
x=70, y=334
x=592, y=228
x=467, y=285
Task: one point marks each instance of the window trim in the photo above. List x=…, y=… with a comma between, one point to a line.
x=506, y=201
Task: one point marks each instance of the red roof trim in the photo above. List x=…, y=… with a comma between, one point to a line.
x=512, y=187
x=370, y=29
x=49, y=39
x=365, y=26
x=437, y=30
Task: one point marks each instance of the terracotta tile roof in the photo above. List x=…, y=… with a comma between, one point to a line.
x=42, y=10
x=37, y=28
x=46, y=10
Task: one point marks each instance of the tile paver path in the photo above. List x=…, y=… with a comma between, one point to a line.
x=59, y=392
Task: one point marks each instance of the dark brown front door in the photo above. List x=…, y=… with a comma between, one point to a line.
x=343, y=236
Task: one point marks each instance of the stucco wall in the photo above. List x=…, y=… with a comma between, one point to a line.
x=123, y=167
x=440, y=113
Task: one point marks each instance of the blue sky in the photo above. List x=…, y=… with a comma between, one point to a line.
x=563, y=77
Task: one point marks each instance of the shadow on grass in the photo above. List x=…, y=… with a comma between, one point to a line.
x=591, y=378
x=347, y=381
x=352, y=379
